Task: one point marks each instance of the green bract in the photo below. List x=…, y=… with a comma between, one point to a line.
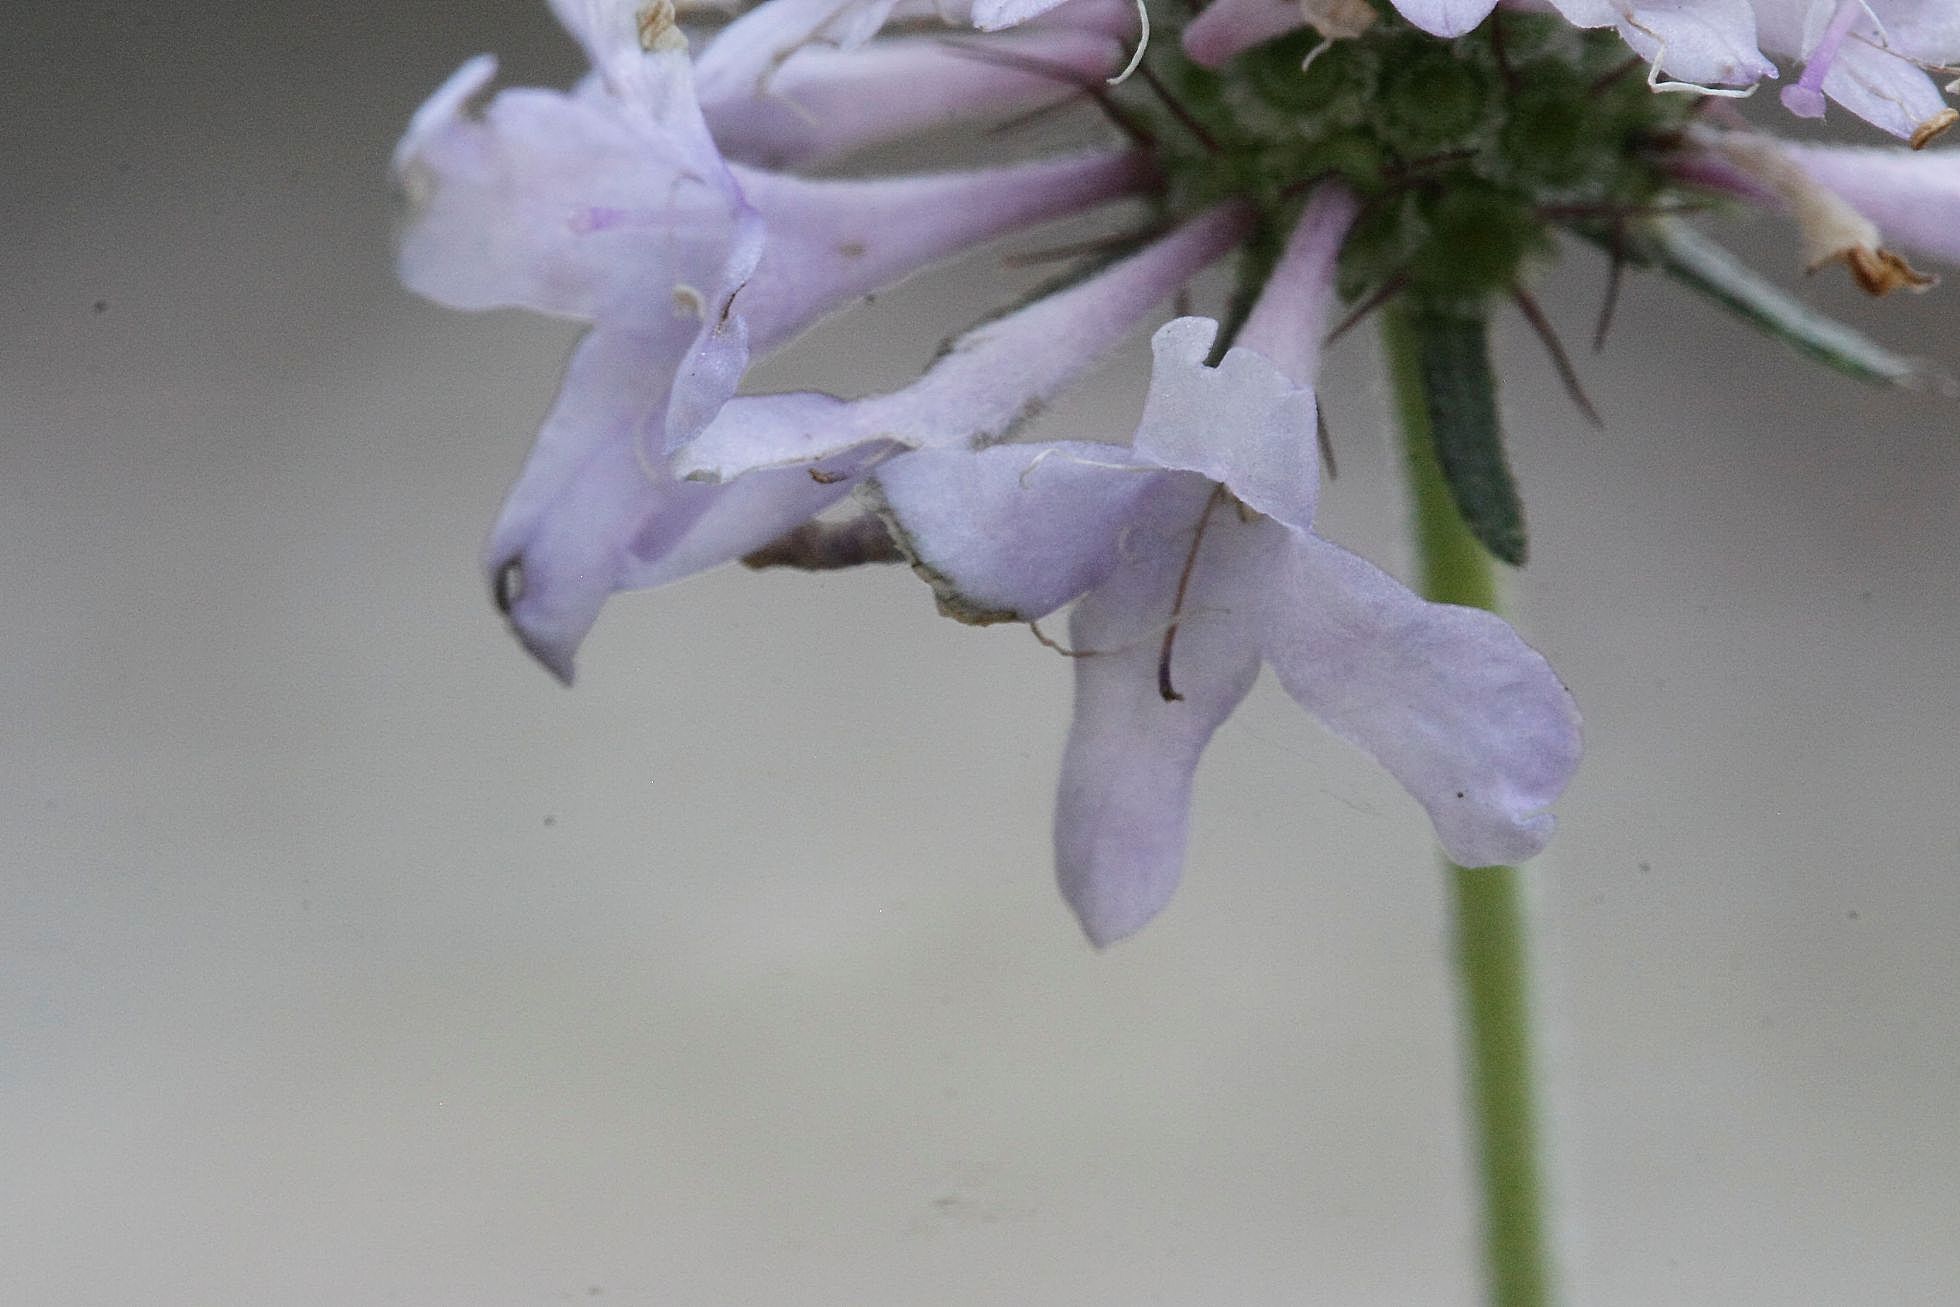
x=1464, y=150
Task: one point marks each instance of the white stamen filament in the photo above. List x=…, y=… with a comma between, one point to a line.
x=1079, y=461
x=1143, y=43
x=1655, y=81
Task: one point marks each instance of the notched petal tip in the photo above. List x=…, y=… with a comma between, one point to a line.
x=1186, y=340
x=1244, y=423
x=445, y=105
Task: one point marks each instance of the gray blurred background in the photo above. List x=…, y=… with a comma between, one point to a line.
x=346, y=959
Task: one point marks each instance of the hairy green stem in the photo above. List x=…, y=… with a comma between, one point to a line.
x=1490, y=919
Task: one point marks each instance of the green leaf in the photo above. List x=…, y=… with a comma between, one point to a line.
x=1702, y=265
x=1459, y=393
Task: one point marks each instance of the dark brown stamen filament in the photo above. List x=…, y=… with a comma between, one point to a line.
x=1096, y=91
x=1164, y=686
x=1387, y=291
x=1616, y=248
x=1505, y=71
x=1620, y=212
x=1049, y=642
x=1028, y=117
x=1097, y=245
x=1561, y=361
x=1177, y=109
x=1614, y=74
x=1403, y=170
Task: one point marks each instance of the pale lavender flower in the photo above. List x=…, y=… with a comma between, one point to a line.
x=1192, y=554
x=653, y=204
x=614, y=205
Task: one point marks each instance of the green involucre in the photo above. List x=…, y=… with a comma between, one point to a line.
x=1465, y=150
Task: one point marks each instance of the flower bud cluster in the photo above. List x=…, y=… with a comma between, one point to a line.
x=1462, y=150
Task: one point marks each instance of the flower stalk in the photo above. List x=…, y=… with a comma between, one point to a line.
x=1490, y=920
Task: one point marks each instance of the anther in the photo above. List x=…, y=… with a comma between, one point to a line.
x=1164, y=687
x=1933, y=128
x=1833, y=231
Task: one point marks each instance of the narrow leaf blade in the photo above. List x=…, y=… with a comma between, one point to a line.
x=1460, y=392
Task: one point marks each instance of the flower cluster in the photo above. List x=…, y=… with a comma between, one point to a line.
x=682, y=202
